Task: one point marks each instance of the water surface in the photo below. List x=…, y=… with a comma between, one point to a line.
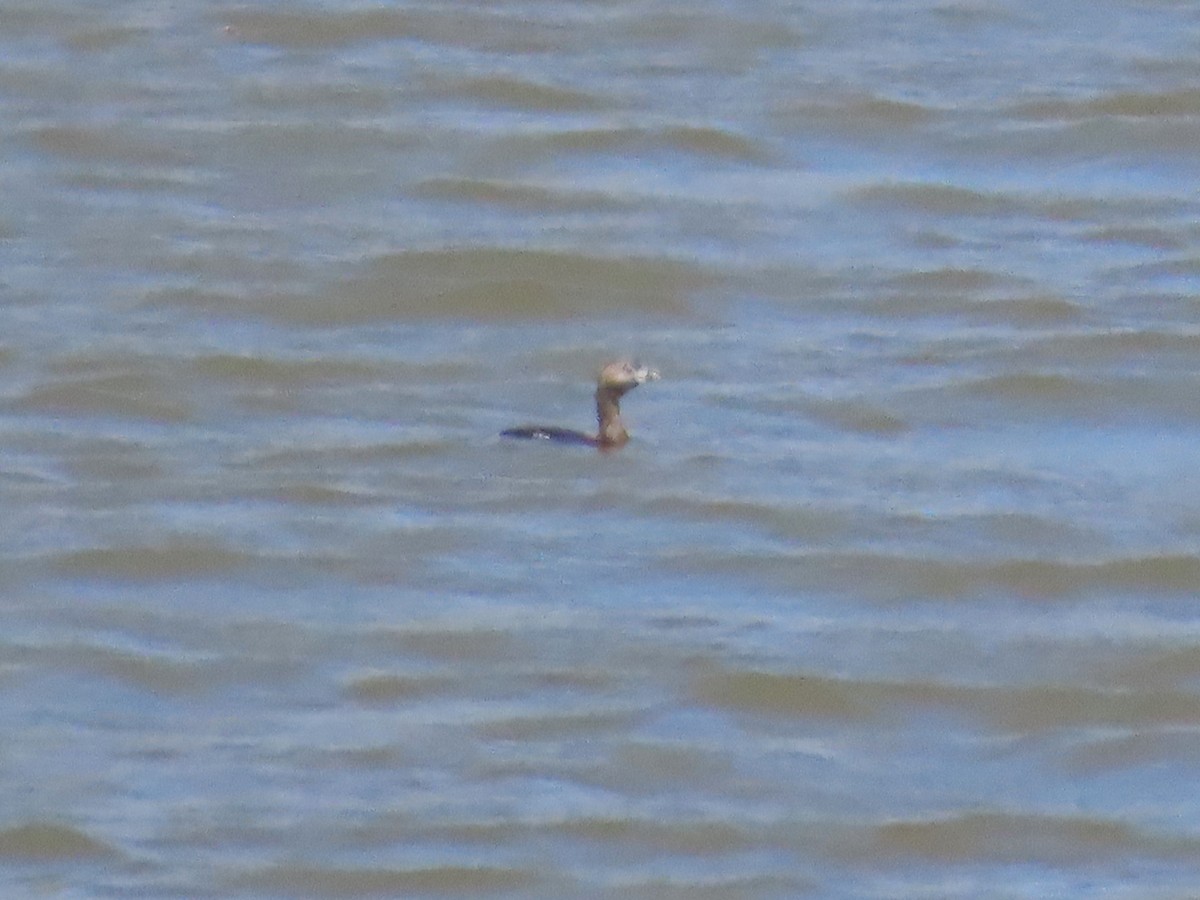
x=892, y=595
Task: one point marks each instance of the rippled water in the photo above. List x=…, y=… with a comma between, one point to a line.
x=892, y=595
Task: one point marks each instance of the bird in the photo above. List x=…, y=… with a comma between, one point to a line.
x=615, y=380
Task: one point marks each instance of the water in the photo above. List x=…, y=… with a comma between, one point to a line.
x=892, y=594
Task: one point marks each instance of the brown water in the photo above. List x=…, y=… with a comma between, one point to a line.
x=893, y=594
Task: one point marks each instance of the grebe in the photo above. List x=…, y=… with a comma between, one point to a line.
x=615, y=381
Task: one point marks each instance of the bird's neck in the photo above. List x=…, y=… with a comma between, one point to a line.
x=612, y=431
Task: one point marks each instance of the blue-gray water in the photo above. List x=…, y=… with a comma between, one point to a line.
x=893, y=595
